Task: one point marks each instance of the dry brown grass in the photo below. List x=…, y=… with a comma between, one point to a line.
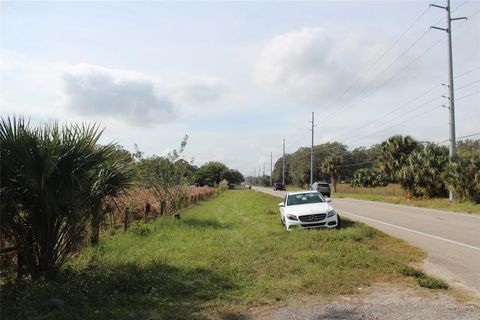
x=138, y=199
x=392, y=189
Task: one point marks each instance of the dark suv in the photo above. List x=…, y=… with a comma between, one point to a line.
x=322, y=187
x=279, y=186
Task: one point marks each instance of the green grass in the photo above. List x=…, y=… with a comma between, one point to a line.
x=222, y=258
x=422, y=279
x=436, y=203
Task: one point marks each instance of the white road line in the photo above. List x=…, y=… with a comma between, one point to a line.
x=413, y=231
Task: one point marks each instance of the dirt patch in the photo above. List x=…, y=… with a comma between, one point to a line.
x=383, y=302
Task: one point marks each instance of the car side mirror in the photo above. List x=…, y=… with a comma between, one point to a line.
x=329, y=200
x=281, y=205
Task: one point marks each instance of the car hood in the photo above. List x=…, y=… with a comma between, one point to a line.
x=302, y=209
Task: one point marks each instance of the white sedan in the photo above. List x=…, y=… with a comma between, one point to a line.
x=307, y=210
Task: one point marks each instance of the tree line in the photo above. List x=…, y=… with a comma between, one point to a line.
x=422, y=169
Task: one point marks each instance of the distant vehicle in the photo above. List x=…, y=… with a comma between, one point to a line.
x=322, y=187
x=279, y=186
x=307, y=210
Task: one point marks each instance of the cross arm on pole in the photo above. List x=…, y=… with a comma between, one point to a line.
x=443, y=29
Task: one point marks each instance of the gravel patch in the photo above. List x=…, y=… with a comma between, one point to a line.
x=397, y=303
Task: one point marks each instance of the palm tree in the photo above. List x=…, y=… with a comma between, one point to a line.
x=330, y=168
x=395, y=152
x=112, y=178
x=48, y=172
x=463, y=176
x=426, y=166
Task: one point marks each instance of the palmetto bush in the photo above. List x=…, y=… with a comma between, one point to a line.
x=54, y=180
x=395, y=152
x=463, y=176
x=369, y=177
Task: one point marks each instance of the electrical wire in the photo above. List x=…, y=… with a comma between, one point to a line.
x=362, y=75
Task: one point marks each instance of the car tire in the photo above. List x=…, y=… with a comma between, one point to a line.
x=339, y=222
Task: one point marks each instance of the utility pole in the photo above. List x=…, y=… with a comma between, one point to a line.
x=283, y=163
x=448, y=30
x=255, y=177
x=260, y=175
x=311, y=149
x=271, y=168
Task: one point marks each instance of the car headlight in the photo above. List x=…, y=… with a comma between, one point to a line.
x=331, y=213
x=292, y=217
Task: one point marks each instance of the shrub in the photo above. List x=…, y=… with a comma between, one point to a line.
x=369, y=178
x=408, y=271
x=422, y=279
x=432, y=283
x=223, y=185
x=141, y=229
x=426, y=167
x=463, y=176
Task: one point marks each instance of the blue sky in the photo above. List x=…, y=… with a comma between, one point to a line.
x=238, y=77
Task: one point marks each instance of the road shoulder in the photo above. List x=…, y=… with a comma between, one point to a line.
x=381, y=301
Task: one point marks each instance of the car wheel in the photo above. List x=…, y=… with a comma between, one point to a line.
x=339, y=222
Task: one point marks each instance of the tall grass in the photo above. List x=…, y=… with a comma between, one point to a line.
x=392, y=189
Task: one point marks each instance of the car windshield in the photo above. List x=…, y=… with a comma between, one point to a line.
x=304, y=198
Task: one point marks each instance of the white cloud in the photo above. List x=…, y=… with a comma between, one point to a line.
x=198, y=90
x=310, y=65
x=86, y=91
x=117, y=94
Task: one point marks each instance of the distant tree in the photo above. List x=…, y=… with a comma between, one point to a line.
x=234, y=176
x=264, y=180
x=166, y=176
x=211, y=173
x=188, y=169
x=330, y=168
x=277, y=171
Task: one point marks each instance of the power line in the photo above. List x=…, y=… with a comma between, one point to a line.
x=468, y=85
x=362, y=75
x=401, y=70
x=348, y=133
x=393, y=76
x=462, y=137
x=421, y=95
x=469, y=135
x=468, y=95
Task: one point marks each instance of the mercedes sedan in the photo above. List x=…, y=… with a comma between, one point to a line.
x=307, y=210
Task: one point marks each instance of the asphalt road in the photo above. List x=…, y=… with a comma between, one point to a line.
x=451, y=240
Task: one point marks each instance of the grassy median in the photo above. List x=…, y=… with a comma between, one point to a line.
x=223, y=257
